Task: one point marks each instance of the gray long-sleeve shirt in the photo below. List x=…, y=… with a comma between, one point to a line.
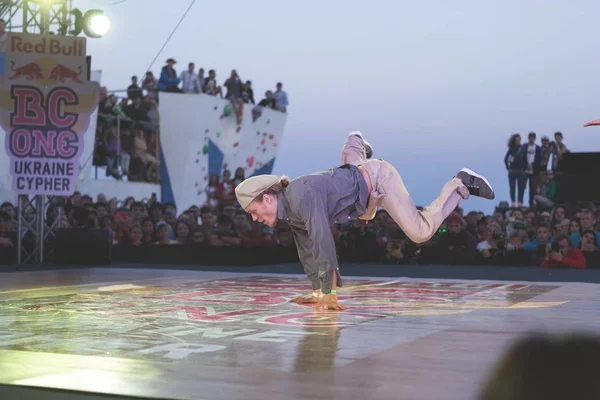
x=310, y=204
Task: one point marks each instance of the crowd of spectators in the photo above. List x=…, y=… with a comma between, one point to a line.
x=127, y=135
x=541, y=234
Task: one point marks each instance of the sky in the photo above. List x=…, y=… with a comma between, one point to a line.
x=435, y=85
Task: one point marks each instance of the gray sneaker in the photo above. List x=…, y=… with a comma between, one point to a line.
x=368, y=147
x=476, y=184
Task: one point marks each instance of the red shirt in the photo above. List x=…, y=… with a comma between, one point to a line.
x=226, y=192
x=575, y=259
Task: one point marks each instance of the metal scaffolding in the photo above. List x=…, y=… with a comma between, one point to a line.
x=33, y=230
x=37, y=16
x=48, y=17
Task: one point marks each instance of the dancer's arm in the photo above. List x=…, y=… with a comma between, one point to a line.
x=314, y=214
x=305, y=255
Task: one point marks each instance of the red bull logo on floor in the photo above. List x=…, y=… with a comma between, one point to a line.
x=45, y=108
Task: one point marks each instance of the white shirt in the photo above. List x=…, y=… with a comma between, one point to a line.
x=530, y=154
x=190, y=82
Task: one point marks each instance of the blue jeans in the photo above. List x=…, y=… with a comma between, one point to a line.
x=517, y=179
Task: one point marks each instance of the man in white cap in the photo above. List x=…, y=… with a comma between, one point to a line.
x=310, y=204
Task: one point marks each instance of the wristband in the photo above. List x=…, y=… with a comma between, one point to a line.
x=332, y=292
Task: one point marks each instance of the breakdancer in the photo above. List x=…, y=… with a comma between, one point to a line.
x=310, y=204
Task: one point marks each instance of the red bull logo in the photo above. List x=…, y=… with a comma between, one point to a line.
x=29, y=71
x=32, y=71
x=61, y=73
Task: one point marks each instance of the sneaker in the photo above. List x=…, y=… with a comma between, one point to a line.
x=368, y=147
x=476, y=184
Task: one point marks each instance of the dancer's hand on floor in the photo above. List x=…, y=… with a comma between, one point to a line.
x=308, y=299
x=329, y=302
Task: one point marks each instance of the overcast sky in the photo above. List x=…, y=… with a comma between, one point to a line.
x=435, y=85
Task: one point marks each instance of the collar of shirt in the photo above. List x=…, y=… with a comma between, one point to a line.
x=281, y=211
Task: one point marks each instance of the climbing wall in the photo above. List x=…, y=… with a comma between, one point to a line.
x=200, y=137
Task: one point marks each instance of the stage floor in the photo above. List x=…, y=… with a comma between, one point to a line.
x=218, y=335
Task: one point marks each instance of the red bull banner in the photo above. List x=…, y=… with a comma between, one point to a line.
x=45, y=106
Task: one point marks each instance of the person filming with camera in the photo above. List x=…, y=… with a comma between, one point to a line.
x=561, y=253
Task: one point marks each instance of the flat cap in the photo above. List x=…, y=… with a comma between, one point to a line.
x=251, y=188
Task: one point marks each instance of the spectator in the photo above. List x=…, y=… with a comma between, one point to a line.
x=589, y=248
x=588, y=222
x=396, y=249
x=150, y=84
x=234, y=95
x=574, y=227
x=243, y=230
x=201, y=79
x=490, y=246
x=558, y=214
x=189, y=80
x=144, y=155
x=210, y=190
x=225, y=235
x=199, y=237
x=281, y=98
x=148, y=231
x=547, y=195
x=542, y=237
x=163, y=234
x=239, y=176
x=248, y=93
x=135, y=235
x=456, y=246
x=226, y=189
x=136, y=111
x=208, y=219
x=559, y=151
x=267, y=102
x=210, y=84
x=562, y=254
x=515, y=163
x=562, y=226
x=182, y=233
x=533, y=166
x=133, y=90
x=168, y=80
x=115, y=155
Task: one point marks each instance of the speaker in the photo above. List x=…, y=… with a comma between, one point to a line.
x=577, y=180
x=83, y=246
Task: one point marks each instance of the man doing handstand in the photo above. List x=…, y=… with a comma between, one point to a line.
x=310, y=204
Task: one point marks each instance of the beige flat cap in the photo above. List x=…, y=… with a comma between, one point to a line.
x=252, y=187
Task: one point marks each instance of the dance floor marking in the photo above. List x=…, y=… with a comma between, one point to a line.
x=198, y=317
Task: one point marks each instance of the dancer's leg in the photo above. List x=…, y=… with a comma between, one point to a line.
x=355, y=149
x=419, y=226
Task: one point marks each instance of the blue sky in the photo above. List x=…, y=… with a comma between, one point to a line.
x=434, y=85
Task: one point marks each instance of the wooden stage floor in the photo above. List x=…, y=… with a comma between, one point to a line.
x=218, y=335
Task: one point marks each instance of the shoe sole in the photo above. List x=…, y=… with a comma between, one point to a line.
x=367, y=144
x=471, y=172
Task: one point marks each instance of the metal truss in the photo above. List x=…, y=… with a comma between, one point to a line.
x=36, y=16
x=35, y=236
